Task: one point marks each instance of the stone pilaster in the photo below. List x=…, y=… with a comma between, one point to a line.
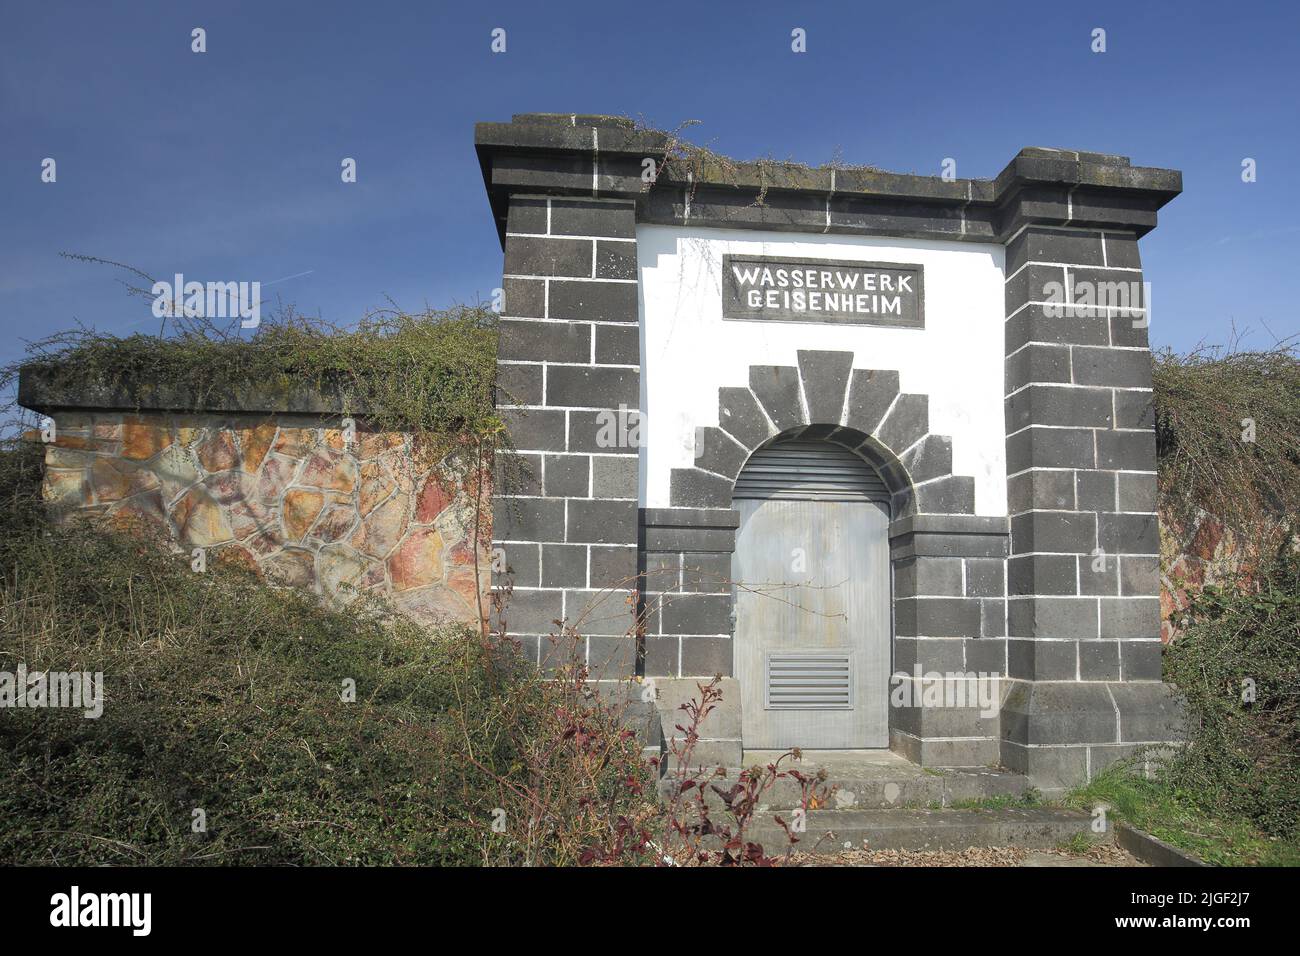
x=565, y=515
x=1083, y=622
x=949, y=619
x=689, y=603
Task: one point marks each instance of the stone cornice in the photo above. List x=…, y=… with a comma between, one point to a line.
x=577, y=155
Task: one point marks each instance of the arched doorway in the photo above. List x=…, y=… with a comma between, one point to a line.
x=813, y=621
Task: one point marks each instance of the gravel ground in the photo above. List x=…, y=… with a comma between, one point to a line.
x=1101, y=854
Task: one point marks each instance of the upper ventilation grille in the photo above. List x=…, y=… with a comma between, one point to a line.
x=809, y=471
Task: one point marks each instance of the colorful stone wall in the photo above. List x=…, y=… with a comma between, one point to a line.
x=286, y=496
x=1206, y=551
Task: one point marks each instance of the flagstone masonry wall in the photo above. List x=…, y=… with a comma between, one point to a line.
x=285, y=496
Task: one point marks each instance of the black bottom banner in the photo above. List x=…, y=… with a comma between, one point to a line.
x=304, y=905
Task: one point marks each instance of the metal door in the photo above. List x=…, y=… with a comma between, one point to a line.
x=811, y=568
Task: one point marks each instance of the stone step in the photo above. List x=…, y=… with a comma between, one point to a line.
x=869, y=780
x=941, y=789
x=830, y=831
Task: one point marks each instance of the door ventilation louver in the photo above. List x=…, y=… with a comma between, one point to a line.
x=809, y=471
x=808, y=680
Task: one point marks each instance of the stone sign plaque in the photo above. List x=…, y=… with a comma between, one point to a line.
x=783, y=289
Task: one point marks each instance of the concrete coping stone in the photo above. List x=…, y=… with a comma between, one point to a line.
x=40, y=390
x=1152, y=850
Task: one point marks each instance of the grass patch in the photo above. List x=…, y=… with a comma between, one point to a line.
x=1079, y=843
x=1179, y=818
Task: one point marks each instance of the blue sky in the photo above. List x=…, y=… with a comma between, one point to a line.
x=225, y=165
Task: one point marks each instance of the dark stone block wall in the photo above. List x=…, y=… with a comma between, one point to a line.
x=688, y=597
x=949, y=617
x=1083, y=583
x=565, y=513
x=1081, y=462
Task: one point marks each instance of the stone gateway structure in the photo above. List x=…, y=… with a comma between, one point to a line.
x=876, y=448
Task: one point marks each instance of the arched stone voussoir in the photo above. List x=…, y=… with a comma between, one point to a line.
x=717, y=451
x=903, y=504
x=871, y=393
x=951, y=495
x=741, y=416
x=922, y=481
x=696, y=488
x=777, y=388
x=860, y=409
x=817, y=433
x=890, y=469
x=825, y=378
x=906, y=423
x=931, y=457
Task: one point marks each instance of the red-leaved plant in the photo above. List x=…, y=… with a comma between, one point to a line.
x=569, y=783
x=697, y=833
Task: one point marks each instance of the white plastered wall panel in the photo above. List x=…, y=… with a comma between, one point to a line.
x=688, y=351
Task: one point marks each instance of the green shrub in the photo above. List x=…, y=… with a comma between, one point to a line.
x=1244, y=757
x=1206, y=404
x=430, y=373
x=223, y=694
